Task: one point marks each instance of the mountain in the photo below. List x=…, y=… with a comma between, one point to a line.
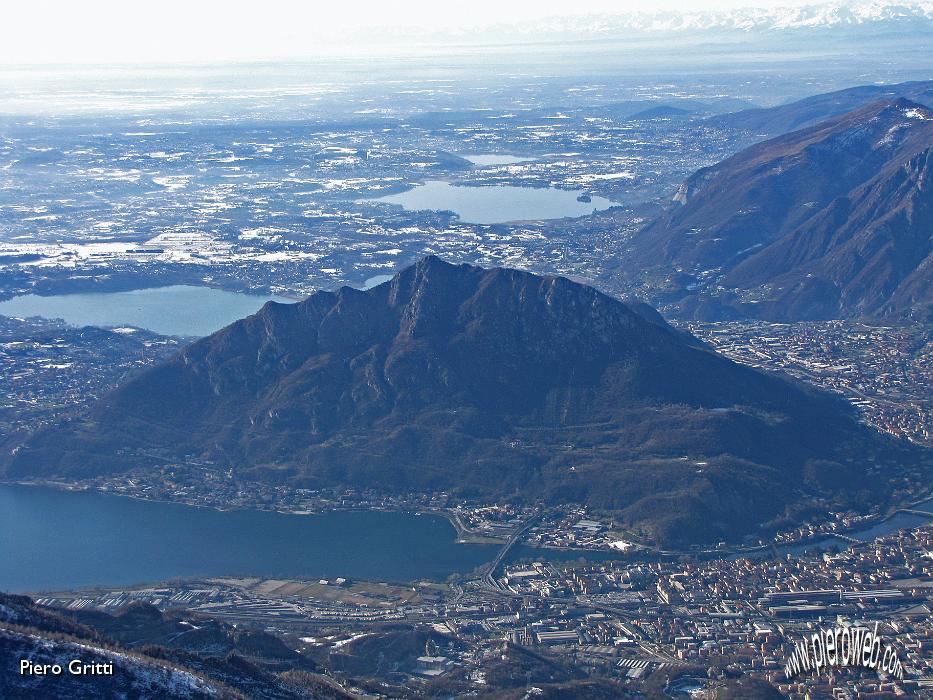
x=773, y=121
x=661, y=112
x=835, y=220
x=141, y=625
x=47, y=637
x=152, y=655
x=496, y=384
x=821, y=15
x=860, y=37
x=833, y=16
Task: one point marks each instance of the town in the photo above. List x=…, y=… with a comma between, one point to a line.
x=885, y=372
x=291, y=207
x=249, y=557
x=694, y=624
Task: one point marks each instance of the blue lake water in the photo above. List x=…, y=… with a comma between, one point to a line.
x=375, y=281
x=497, y=204
x=54, y=540
x=898, y=521
x=51, y=539
x=173, y=310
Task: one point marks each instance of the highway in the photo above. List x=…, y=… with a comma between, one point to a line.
x=489, y=579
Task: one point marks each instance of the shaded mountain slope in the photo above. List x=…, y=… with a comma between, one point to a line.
x=133, y=675
x=497, y=384
x=245, y=664
x=835, y=220
x=46, y=637
x=142, y=625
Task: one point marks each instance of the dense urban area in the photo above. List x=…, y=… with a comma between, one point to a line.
x=886, y=372
x=629, y=621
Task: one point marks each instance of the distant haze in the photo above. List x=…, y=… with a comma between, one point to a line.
x=108, y=32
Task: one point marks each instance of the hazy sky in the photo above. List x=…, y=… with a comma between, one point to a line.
x=128, y=31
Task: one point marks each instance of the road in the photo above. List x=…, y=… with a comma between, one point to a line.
x=644, y=642
x=489, y=579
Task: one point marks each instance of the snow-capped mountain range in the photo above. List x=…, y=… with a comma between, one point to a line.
x=839, y=17
x=816, y=16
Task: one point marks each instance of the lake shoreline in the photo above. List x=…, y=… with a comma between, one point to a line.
x=487, y=204
x=60, y=536
x=466, y=536
x=175, y=310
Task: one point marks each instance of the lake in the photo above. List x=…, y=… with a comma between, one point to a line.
x=496, y=204
x=174, y=310
x=52, y=539
x=375, y=281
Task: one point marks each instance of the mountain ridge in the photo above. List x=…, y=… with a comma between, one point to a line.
x=150, y=654
x=820, y=16
x=493, y=384
x=829, y=221
x=799, y=114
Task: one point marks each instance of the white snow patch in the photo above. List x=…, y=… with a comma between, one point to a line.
x=348, y=640
x=914, y=113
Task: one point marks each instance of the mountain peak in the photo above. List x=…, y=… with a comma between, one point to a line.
x=433, y=261
x=496, y=384
x=913, y=110
x=899, y=108
x=809, y=111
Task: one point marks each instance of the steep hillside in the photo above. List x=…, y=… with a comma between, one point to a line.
x=127, y=663
x=497, y=384
x=835, y=220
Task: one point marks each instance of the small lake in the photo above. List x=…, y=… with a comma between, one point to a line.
x=51, y=539
x=376, y=280
x=496, y=204
x=174, y=310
